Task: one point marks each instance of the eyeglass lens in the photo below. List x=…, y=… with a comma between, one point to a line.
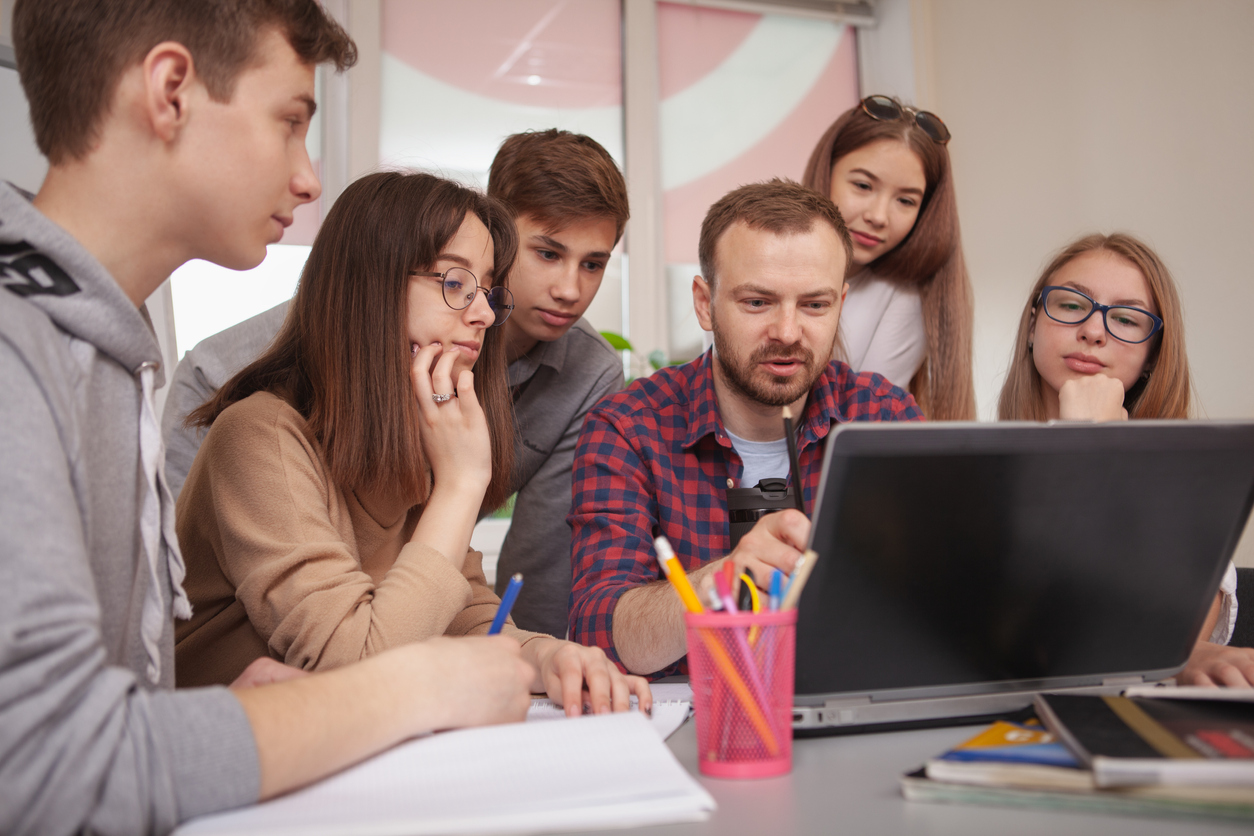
x=887, y=110
x=1070, y=308
x=460, y=286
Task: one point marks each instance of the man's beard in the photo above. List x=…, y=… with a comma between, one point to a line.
x=749, y=379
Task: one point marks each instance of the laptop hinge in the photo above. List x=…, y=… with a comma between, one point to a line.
x=1122, y=681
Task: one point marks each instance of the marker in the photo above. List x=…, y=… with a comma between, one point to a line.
x=675, y=574
x=777, y=581
x=724, y=592
x=507, y=603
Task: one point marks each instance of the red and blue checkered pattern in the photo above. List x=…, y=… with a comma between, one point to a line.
x=655, y=459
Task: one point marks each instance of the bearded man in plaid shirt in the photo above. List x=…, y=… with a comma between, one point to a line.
x=658, y=457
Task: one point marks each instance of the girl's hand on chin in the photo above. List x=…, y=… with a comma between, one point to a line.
x=454, y=433
x=1092, y=398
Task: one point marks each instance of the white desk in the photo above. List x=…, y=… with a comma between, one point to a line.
x=849, y=785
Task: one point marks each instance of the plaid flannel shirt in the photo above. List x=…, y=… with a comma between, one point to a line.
x=655, y=459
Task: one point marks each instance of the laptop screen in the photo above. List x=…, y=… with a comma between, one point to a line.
x=1017, y=553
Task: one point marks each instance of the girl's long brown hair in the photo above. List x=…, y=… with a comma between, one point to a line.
x=1164, y=391
x=929, y=259
x=342, y=357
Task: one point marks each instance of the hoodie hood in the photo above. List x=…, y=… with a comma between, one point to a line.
x=46, y=266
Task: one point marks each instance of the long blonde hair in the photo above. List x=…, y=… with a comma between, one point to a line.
x=1164, y=389
x=929, y=259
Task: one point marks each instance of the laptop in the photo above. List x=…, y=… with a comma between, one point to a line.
x=965, y=567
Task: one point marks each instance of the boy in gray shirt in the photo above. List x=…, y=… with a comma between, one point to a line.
x=569, y=202
x=174, y=129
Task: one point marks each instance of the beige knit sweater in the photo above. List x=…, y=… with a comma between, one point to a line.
x=283, y=562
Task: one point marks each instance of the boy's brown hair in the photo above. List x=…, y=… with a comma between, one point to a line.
x=779, y=206
x=559, y=178
x=72, y=53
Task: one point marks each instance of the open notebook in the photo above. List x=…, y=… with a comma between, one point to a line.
x=672, y=702
x=591, y=772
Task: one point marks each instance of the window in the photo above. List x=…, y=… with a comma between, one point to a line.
x=744, y=98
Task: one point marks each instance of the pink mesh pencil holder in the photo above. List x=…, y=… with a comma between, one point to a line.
x=741, y=670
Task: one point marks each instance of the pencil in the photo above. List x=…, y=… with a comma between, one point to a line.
x=800, y=573
x=793, y=464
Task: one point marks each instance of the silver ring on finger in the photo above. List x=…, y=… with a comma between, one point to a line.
x=438, y=398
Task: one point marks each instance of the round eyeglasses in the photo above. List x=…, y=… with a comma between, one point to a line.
x=1123, y=322
x=886, y=109
x=459, y=287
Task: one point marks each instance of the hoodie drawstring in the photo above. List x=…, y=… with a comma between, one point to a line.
x=156, y=523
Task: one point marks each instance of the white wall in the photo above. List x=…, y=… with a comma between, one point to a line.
x=1071, y=116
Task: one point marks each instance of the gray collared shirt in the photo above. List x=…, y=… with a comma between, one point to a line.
x=554, y=386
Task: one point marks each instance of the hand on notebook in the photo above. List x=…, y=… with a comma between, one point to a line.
x=574, y=675
x=1219, y=665
x=264, y=671
x=1093, y=398
x=775, y=542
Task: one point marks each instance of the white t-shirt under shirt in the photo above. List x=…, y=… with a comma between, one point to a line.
x=762, y=459
x=881, y=328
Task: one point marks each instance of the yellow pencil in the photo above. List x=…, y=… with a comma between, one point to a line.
x=675, y=574
x=679, y=579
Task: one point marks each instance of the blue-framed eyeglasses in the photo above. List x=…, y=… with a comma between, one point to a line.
x=1123, y=322
x=459, y=287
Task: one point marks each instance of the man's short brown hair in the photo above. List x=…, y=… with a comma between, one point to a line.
x=782, y=207
x=72, y=53
x=559, y=178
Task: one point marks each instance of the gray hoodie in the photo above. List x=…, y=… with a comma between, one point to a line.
x=92, y=736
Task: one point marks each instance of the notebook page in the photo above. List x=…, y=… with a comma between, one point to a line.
x=672, y=703
x=603, y=771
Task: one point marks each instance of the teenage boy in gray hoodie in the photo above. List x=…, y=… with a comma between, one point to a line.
x=174, y=129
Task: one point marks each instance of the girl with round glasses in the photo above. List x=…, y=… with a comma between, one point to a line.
x=908, y=315
x=1101, y=338
x=329, y=510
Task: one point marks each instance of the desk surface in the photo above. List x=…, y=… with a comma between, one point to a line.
x=849, y=784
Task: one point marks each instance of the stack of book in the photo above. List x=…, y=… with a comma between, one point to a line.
x=1185, y=752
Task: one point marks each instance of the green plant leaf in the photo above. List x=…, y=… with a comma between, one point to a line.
x=617, y=341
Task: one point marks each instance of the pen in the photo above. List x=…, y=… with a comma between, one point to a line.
x=507, y=603
x=777, y=581
x=794, y=466
x=675, y=574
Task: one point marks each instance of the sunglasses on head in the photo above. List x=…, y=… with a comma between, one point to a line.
x=886, y=109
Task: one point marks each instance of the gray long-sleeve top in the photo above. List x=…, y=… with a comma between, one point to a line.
x=92, y=736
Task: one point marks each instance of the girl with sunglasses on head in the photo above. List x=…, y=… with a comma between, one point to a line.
x=908, y=315
x=328, y=513
x=1101, y=338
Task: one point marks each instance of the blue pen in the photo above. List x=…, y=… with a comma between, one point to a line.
x=777, y=581
x=507, y=603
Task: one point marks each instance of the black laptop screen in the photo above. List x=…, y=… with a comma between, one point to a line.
x=1017, y=553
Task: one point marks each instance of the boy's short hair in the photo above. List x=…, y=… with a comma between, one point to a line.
x=72, y=53
x=779, y=206
x=559, y=178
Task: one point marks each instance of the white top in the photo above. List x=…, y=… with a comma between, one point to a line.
x=762, y=459
x=881, y=328
x=1222, y=634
